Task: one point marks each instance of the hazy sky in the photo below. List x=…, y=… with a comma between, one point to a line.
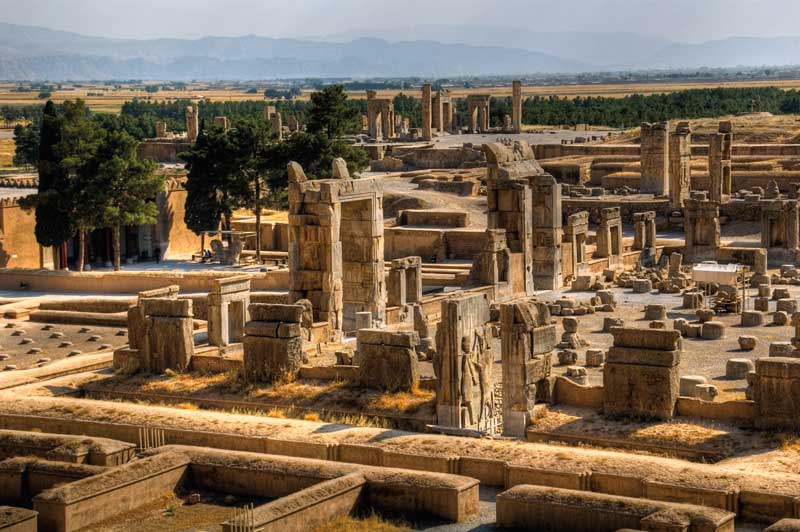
x=687, y=20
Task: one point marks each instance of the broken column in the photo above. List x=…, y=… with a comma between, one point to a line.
x=680, y=165
x=227, y=309
x=388, y=360
x=527, y=340
x=547, y=232
x=609, y=236
x=192, y=124
x=655, y=159
x=463, y=365
x=575, y=232
x=516, y=106
x=720, y=149
x=641, y=377
x=780, y=229
x=170, y=334
x=273, y=342
x=336, y=248
x=404, y=282
x=161, y=130
x=427, y=112
x=776, y=392
x=701, y=226
x=644, y=235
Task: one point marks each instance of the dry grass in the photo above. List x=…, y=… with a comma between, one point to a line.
x=373, y=523
x=6, y=153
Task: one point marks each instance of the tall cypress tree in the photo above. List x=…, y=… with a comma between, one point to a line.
x=54, y=224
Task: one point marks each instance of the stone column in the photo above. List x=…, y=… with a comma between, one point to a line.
x=161, y=130
x=223, y=122
x=655, y=159
x=192, y=125
x=273, y=343
x=680, y=165
x=516, y=107
x=276, y=121
x=427, y=118
x=527, y=341
x=548, y=232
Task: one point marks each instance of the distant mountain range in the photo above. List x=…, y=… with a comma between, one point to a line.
x=431, y=51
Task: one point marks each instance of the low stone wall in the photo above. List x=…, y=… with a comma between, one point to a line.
x=432, y=244
x=568, y=392
x=129, y=282
x=70, y=317
x=758, y=496
x=741, y=412
x=446, y=496
x=435, y=218
x=23, y=478
x=65, y=448
x=17, y=520
x=308, y=508
x=94, y=499
x=544, y=509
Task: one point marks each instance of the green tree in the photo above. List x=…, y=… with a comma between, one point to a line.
x=214, y=188
x=330, y=114
x=126, y=185
x=76, y=155
x=26, y=144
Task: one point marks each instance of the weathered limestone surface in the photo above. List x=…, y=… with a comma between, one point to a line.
x=609, y=236
x=655, y=159
x=227, y=309
x=192, y=123
x=527, y=340
x=720, y=150
x=463, y=364
x=701, y=226
x=427, y=112
x=336, y=248
x=516, y=106
x=388, y=360
x=273, y=342
x=680, y=165
x=641, y=377
x=776, y=392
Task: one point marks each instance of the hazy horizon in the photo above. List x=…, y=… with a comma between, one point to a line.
x=678, y=20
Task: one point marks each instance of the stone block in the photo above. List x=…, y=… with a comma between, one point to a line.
x=705, y=314
x=706, y=392
x=680, y=325
x=276, y=312
x=607, y=297
x=688, y=383
x=753, y=318
x=625, y=391
x=170, y=308
x=655, y=312
x=764, y=290
x=694, y=330
x=761, y=304
x=272, y=359
x=693, y=300
x=387, y=367
x=780, y=318
x=646, y=339
x=382, y=337
x=780, y=293
x=781, y=349
x=712, y=330
x=583, y=283
x=608, y=323
x=657, y=325
x=787, y=305
x=595, y=358
x=567, y=357
x=638, y=355
x=747, y=343
x=267, y=329
x=784, y=525
x=642, y=286
x=570, y=325
x=738, y=368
